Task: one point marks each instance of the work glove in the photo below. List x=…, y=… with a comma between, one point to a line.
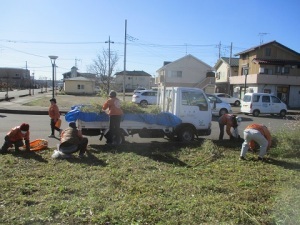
x=27, y=144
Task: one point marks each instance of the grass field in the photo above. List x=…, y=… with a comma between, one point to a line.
x=156, y=183
x=199, y=183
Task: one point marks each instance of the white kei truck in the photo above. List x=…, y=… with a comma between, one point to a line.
x=185, y=114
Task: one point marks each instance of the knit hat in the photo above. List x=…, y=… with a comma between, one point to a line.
x=24, y=127
x=72, y=124
x=53, y=100
x=112, y=94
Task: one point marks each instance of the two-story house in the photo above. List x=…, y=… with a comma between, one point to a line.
x=187, y=71
x=225, y=68
x=133, y=80
x=271, y=68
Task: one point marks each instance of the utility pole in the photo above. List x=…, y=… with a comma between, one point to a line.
x=109, y=70
x=124, y=72
x=229, y=75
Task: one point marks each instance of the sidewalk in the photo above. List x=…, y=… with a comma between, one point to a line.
x=16, y=106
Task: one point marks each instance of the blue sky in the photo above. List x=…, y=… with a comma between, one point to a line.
x=160, y=30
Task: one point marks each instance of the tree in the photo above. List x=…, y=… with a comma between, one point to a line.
x=100, y=67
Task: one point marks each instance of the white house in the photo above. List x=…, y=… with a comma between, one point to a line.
x=79, y=86
x=187, y=71
x=133, y=80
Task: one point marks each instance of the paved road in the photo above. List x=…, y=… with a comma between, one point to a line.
x=40, y=124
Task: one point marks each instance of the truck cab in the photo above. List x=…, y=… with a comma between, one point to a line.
x=191, y=106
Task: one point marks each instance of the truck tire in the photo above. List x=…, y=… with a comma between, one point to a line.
x=186, y=134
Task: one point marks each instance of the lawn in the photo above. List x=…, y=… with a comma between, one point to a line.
x=158, y=183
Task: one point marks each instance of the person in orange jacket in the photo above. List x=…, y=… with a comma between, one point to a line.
x=15, y=137
x=258, y=133
x=54, y=115
x=113, y=108
x=228, y=120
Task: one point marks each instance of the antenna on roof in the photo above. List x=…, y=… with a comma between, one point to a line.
x=76, y=62
x=261, y=37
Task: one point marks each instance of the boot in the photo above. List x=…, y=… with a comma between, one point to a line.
x=4, y=148
x=17, y=150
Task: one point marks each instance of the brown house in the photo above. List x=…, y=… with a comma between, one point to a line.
x=271, y=68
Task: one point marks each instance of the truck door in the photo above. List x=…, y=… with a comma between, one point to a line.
x=195, y=109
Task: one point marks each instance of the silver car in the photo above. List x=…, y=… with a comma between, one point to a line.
x=218, y=106
x=229, y=99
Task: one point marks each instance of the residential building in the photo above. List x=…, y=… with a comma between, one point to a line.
x=15, y=78
x=133, y=80
x=224, y=69
x=270, y=68
x=74, y=73
x=187, y=71
x=79, y=86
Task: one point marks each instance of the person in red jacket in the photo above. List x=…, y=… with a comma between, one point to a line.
x=229, y=121
x=54, y=115
x=113, y=108
x=258, y=133
x=15, y=137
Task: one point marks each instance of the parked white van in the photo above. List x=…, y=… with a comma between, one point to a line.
x=263, y=103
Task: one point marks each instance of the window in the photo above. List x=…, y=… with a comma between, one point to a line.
x=278, y=70
x=286, y=70
x=218, y=76
x=195, y=99
x=275, y=100
x=268, y=52
x=256, y=98
x=176, y=74
x=245, y=71
x=265, y=99
x=80, y=86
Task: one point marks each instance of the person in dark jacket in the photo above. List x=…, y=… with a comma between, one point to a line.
x=15, y=137
x=228, y=120
x=71, y=141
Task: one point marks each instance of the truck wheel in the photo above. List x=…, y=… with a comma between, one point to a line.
x=256, y=113
x=186, y=134
x=117, y=140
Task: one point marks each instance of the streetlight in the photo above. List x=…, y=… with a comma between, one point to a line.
x=53, y=58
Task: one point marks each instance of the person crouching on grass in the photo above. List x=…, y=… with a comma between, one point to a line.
x=260, y=134
x=15, y=137
x=229, y=121
x=71, y=141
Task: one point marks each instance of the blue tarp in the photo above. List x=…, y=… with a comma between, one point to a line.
x=165, y=118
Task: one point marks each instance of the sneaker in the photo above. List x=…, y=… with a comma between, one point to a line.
x=242, y=158
x=51, y=136
x=260, y=159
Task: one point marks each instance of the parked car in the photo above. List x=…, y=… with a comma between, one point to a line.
x=229, y=99
x=263, y=103
x=145, y=97
x=218, y=106
x=139, y=89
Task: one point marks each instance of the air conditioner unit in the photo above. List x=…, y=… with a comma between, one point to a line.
x=261, y=70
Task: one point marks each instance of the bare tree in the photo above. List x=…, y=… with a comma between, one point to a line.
x=100, y=68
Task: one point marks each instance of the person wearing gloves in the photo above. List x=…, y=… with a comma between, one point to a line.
x=54, y=115
x=113, y=107
x=71, y=141
x=258, y=133
x=15, y=137
x=229, y=121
